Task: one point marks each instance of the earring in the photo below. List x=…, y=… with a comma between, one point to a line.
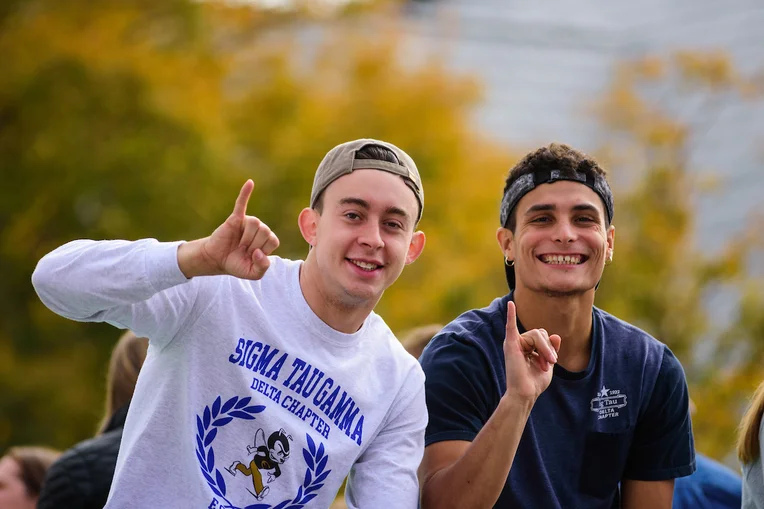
x=609, y=259
x=508, y=263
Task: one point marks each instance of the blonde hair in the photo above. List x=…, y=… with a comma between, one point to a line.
x=414, y=340
x=748, y=434
x=126, y=360
x=33, y=462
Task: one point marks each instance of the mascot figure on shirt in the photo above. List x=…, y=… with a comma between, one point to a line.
x=267, y=456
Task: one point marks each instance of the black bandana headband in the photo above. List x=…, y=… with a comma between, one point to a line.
x=530, y=181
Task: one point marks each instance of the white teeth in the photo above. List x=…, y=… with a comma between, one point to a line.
x=364, y=265
x=562, y=259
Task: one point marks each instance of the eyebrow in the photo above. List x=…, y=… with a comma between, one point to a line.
x=365, y=205
x=587, y=207
x=541, y=207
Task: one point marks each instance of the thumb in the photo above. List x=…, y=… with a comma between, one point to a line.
x=512, y=331
x=556, y=341
x=261, y=261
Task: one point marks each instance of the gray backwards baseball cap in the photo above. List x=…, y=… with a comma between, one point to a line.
x=341, y=161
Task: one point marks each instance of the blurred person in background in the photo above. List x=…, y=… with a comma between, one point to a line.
x=711, y=486
x=542, y=399
x=750, y=450
x=244, y=346
x=81, y=477
x=414, y=340
x=22, y=472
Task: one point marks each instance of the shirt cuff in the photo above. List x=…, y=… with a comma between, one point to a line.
x=162, y=265
x=663, y=474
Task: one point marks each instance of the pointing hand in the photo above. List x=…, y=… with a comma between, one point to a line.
x=529, y=358
x=238, y=247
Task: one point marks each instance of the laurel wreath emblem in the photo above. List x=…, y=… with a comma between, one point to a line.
x=220, y=414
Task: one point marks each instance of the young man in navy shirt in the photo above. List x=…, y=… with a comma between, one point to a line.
x=541, y=399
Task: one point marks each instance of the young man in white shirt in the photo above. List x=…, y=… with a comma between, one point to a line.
x=267, y=381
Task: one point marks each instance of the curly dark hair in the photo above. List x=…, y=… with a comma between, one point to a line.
x=555, y=156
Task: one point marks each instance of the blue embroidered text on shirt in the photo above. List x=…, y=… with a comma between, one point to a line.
x=306, y=381
x=607, y=402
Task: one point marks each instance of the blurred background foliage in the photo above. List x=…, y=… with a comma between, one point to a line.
x=139, y=119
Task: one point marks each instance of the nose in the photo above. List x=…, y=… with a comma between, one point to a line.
x=371, y=236
x=565, y=232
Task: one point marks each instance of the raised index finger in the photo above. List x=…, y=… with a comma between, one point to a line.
x=512, y=320
x=240, y=208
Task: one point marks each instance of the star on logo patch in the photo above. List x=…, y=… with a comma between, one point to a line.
x=603, y=392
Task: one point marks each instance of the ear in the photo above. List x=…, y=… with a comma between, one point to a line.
x=415, y=247
x=505, y=238
x=308, y=224
x=610, y=241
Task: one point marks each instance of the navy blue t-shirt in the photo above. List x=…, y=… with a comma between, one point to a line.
x=626, y=416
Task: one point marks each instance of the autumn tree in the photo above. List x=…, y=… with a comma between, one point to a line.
x=661, y=279
x=137, y=119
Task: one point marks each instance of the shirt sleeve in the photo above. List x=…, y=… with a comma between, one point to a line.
x=385, y=475
x=663, y=446
x=460, y=394
x=134, y=285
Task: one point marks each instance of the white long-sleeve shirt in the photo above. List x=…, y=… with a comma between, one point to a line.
x=246, y=397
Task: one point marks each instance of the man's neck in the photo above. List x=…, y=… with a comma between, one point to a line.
x=342, y=318
x=570, y=317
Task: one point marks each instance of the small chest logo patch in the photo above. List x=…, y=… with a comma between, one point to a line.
x=607, y=402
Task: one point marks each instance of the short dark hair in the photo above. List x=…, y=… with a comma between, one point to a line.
x=555, y=156
x=33, y=463
x=377, y=152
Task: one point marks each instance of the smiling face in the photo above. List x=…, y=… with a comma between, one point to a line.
x=561, y=241
x=362, y=238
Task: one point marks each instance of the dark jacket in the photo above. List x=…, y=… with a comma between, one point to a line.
x=81, y=477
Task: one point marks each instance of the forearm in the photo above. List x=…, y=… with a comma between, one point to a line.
x=83, y=277
x=477, y=478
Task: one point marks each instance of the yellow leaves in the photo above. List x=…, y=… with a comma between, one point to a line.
x=624, y=109
x=721, y=402
x=712, y=69
x=184, y=81
x=715, y=72
x=646, y=68
x=663, y=133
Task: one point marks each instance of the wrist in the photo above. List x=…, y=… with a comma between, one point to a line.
x=193, y=261
x=516, y=404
